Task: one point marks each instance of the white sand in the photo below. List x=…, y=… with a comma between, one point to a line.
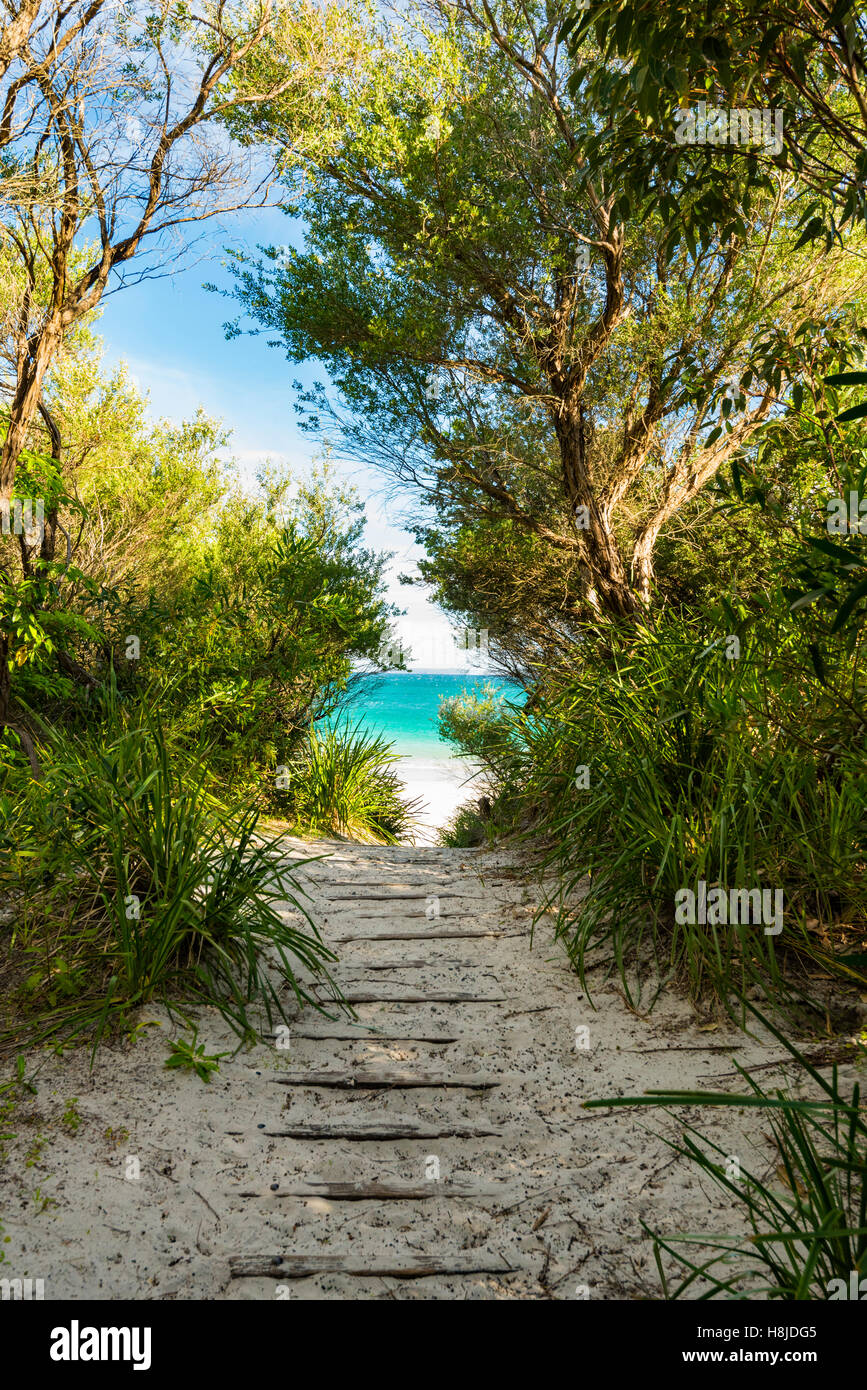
x=443, y=785
x=162, y=1182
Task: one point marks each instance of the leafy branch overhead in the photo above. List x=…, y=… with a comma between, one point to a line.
x=503, y=331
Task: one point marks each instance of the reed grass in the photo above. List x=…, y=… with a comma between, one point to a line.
x=344, y=782
x=806, y=1226
x=131, y=881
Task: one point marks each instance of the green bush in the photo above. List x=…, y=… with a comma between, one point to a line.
x=478, y=723
x=466, y=829
x=662, y=762
x=343, y=783
x=131, y=881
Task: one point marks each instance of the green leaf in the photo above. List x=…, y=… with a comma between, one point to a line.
x=818, y=663
x=813, y=229
x=855, y=412
x=804, y=600
x=859, y=592
x=846, y=379
x=835, y=551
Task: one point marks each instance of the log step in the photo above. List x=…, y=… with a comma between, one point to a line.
x=396, y=1077
x=396, y=918
x=444, y=935
x=373, y=1034
x=434, y=996
x=398, y=1267
x=435, y=882
x=401, y=895
x=388, y=1191
x=444, y=964
x=378, y=1131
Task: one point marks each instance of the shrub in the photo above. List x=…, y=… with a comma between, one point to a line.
x=343, y=782
x=660, y=763
x=132, y=881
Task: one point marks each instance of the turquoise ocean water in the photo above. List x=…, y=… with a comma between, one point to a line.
x=403, y=706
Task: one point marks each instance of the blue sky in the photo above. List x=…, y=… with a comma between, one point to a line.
x=169, y=332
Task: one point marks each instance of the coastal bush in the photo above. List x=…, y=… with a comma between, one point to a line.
x=343, y=782
x=478, y=723
x=665, y=761
x=467, y=829
x=129, y=880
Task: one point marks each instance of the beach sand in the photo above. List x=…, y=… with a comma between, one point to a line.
x=130, y=1181
x=443, y=785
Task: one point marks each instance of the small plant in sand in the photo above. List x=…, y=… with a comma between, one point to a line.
x=188, y=1057
x=70, y=1119
x=41, y=1201
x=11, y=1093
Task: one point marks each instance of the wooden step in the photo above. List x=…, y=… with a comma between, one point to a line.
x=444, y=935
x=390, y=1191
x=373, y=1034
x=433, y=996
x=451, y=911
x=396, y=897
x=397, y=1078
x=445, y=964
x=395, y=1267
x=409, y=876
x=379, y=1131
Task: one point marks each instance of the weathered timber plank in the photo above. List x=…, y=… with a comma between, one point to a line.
x=435, y=996
x=388, y=1191
x=396, y=897
x=395, y=1077
x=409, y=876
x=351, y=964
x=378, y=1130
x=389, y=935
x=378, y=1035
x=444, y=964
x=397, y=1267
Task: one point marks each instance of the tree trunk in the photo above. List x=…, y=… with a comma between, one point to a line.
x=49, y=532
x=25, y=402
x=642, y=563
x=609, y=587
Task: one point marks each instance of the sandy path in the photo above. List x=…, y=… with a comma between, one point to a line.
x=449, y=1144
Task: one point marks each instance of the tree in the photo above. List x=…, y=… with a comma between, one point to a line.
x=131, y=500
x=502, y=340
x=18, y=25
x=243, y=610
x=806, y=59
x=109, y=122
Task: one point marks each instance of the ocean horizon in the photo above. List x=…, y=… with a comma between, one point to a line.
x=403, y=707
